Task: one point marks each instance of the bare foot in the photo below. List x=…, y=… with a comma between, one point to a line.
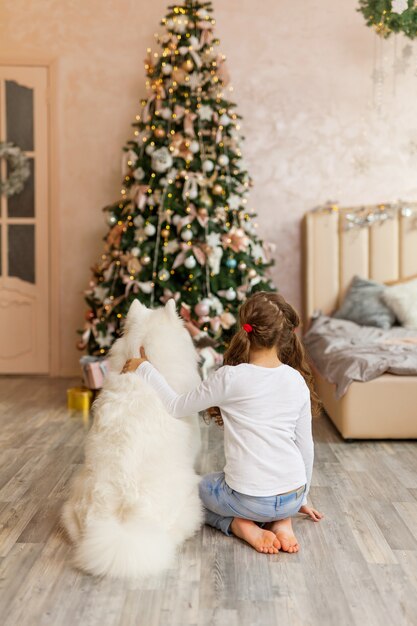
x=262, y=540
x=285, y=535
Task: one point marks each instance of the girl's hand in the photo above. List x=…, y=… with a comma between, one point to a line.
x=316, y=516
x=132, y=364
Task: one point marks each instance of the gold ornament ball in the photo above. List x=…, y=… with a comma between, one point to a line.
x=178, y=75
x=165, y=233
x=252, y=273
x=188, y=65
x=145, y=260
x=217, y=190
x=203, y=213
x=159, y=132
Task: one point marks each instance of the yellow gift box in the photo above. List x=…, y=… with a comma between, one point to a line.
x=79, y=399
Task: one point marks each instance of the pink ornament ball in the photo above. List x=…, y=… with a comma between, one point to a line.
x=202, y=309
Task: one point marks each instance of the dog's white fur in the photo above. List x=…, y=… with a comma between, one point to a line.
x=136, y=498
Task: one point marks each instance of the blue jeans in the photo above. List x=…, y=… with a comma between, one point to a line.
x=222, y=504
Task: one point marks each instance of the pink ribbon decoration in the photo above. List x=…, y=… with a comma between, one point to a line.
x=222, y=70
x=139, y=194
x=190, y=217
x=168, y=295
x=225, y=320
x=189, y=123
x=196, y=250
x=206, y=36
x=179, y=111
x=146, y=113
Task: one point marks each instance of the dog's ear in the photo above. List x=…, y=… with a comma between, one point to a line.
x=136, y=308
x=170, y=308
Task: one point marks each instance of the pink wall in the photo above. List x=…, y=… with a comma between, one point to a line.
x=301, y=72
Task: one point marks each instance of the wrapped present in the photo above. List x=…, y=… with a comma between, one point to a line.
x=94, y=370
x=79, y=399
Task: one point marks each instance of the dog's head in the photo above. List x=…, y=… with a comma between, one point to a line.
x=167, y=343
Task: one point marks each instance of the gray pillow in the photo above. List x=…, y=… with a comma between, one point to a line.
x=363, y=304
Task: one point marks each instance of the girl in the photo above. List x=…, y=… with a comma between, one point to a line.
x=265, y=394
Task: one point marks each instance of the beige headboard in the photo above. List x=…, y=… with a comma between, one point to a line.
x=385, y=251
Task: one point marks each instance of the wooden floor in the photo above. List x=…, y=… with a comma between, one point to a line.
x=357, y=567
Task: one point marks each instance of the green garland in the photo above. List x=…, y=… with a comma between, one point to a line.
x=380, y=15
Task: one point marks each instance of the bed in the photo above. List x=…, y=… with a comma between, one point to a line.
x=386, y=251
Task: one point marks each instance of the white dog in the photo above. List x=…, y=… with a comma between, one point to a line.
x=136, y=498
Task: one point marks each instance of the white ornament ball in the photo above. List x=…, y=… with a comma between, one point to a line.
x=225, y=120
x=187, y=234
x=163, y=182
x=139, y=173
x=111, y=220
x=167, y=69
x=202, y=309
x=193, y=193
x=230, y=294
x=145, y=260
x=146, y=287
x=170, y=24
x=252, y=273
x=194, y=146
x=166, y=113
x=163, y=275
x=161, y=160
x=223, y=160
x=150, y=230
x=138, y=221
x=190, y=262
x=194, y=42
x=242, y=266
x=149, y=149
x=208, y=166
x=176, y=219
x=135, y=251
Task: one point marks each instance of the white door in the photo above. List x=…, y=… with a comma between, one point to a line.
x=24, y=250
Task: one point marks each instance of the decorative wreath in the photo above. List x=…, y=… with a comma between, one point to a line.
x=19, y=170
x=390, y=16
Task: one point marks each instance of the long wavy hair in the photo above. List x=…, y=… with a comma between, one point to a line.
x=273, y=321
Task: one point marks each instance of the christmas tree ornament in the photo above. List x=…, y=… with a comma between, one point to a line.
x=150, y=149
x=178, y=75
x=166, y=69
x=161, y=160
x=139, y=173
x=252, y=273
x=230, y=294
x=159, y=133
x=217, y=189
x=89, y=315
x=163, y=275
x=194, y=42
x=138, y=221
x=231, y=263
x=202, y=309
x=225, y=120
x=205, y=112
x=223, y=160
x=111, y=220
x=133, y=265
x=208, y=166
x=145, y=260
x=166, y=113
x=135, y=251
x=190, y=262
x=146, y=287
x=165, y=233
x=194, y=147
x=150, y=230
x=188, y=65
x=187, y=234
x=242, y=266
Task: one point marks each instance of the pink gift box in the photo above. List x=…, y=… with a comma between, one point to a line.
x=94, y=371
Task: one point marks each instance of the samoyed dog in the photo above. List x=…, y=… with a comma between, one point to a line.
x=136, y=500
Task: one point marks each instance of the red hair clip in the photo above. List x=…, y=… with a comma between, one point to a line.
x=247, y=327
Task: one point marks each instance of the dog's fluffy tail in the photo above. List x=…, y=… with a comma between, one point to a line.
x=129, y=549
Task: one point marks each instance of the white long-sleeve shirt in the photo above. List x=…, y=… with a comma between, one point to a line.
x=266, y=411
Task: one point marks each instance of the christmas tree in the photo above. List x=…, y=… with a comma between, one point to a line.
x=181, y=228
